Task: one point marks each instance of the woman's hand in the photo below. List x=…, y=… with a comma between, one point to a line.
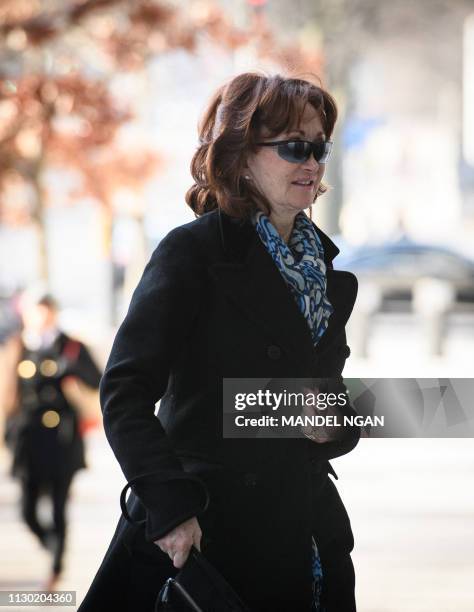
x=321, y=433
x=177, y=543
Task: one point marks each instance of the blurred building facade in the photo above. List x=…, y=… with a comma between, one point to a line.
x=400, y=166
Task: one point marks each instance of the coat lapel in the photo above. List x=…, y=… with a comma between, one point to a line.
x=250, y=278
x=341, y=292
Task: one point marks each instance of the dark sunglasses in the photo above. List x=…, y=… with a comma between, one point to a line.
x=297, y=151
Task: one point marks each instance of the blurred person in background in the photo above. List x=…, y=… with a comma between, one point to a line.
x=247, y=290
x=43, y=426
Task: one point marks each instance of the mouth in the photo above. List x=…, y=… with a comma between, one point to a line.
x=304, y=184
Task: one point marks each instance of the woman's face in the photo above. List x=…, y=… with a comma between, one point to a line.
x=39, y=318
x=275, y=177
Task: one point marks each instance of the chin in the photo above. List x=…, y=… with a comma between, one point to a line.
x=300, y=206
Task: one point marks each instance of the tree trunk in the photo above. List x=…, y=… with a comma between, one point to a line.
x=38, y=221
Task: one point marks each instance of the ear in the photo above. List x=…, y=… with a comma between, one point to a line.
x=247, y=166
x=246, y=174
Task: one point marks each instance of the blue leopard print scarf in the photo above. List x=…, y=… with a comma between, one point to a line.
x=301, y=263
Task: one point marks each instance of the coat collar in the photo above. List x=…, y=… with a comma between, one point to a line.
x=250, y=278
x=237, y=236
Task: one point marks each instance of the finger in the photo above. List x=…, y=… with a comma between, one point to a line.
x=180, y=557
x=197, y=540
x=163, y=542
x=161, y=546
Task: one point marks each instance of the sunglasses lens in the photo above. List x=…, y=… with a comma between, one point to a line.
x=322, y=151
x=299, y=151
x=295, y=152
x=319, y=150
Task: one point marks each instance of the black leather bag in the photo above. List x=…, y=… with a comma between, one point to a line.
x=198, y=587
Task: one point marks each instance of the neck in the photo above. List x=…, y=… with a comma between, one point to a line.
x=283, y=224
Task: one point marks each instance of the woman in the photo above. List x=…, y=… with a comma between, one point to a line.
x=247, y=290
x=43, y=426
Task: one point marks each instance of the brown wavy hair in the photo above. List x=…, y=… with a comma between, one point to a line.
x=231, y=126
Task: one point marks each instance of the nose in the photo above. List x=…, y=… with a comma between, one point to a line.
x=311, y=164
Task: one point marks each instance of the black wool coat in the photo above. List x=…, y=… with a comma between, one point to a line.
x=42, y=453
x=212, y=304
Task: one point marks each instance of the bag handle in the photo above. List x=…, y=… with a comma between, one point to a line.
x=231, y=600
x=163, y=476
x=164, y=594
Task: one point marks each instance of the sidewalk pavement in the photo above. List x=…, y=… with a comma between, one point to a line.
x=93, y=513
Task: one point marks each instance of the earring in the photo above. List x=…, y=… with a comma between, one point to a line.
x=247, y=176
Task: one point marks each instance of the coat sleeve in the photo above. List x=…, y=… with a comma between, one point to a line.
x=155, y=329
x=82, y=365
x=350, y=433
x=334, y=360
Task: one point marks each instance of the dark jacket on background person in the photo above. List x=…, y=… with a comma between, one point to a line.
x=212, y=304
x=44, y=433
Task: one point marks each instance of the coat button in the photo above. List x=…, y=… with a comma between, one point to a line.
x=274, y=351
x=345, y=351
x=250, y=479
